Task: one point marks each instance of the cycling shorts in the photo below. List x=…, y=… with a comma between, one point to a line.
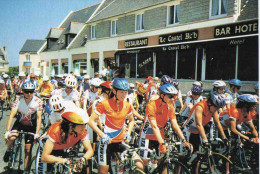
x=146, y=143
x=105, y=151
x=29, y=139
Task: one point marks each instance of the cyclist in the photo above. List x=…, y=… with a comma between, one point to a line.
x=241, y=115
x=54, y=81
x=29, y=110
x=195, y=83
x=13, y=80
x=9, y=88
x=69, y=92
x=156, y=81
x=65, y=134
x=90, y=95
x=86, y=82
x=18, y=84
x=156, y=116
x=219, y=88
x=3, y=92
x=201, y=115
x=132, y=95
x=179, y=96
x=191, y=100
x=232, y=93
x=46, y=87
x=116, y=111
x=34, y=81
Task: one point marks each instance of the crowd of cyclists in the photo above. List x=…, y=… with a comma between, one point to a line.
x=103, y=115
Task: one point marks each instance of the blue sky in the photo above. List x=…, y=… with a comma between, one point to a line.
x=32, y=19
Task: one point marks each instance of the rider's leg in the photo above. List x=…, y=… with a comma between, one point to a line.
x=27, y=156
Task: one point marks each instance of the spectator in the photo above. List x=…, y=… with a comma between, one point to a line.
x=103, y=73
x=109, y=73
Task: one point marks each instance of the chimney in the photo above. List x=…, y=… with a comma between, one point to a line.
x=4, y=47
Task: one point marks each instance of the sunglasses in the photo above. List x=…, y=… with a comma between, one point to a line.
x=96, y=87
x=27, y=92
x=222, y=89
x=170, y=96
x=68, y=87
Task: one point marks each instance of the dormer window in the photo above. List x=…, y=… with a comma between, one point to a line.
x=1, y=57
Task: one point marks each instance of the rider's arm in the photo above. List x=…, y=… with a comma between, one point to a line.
x=156, y=131
x=198, y=119
x=93, y=125
x=131, y=123
x=177, y=129
x=39, y=121
x=254, y=131
x=218, y=124
x=87, y=146
x=136, y=113
x=46, y=154
x=77, y=104
x=10, y=119
x=233, y=127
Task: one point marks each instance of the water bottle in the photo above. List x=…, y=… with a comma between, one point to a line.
x=153, y=166
x=193, y=156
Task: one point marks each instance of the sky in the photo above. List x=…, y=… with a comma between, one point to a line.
x=32, y=19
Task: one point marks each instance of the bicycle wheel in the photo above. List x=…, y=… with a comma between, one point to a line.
x=216, y=163
x=176, y=167
x=17, y=157
x=32, y=167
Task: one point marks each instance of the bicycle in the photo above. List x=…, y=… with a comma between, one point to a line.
x=15, y=159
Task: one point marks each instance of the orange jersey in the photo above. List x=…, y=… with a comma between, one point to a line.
x=190, y=123
x=236, y=114
x=45, y=90
x=115, y=116
x=54, y=134
x=159, y=111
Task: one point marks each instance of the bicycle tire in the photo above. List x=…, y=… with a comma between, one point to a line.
x=176, y=167
x=215, y=164
x=16, y=158
x=32, y=167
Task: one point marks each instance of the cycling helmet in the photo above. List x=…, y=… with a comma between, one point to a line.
x=59, y=76
x=95, y=82
x=86, y=76
x=120, y=84
x=196, y=83
x=131, y=85
x=2, y=81
x=56, y=103
x=28, y=86
x=218, y=83
x=107, y=84
x=5, y=76
x=166, y=79
x=32, y=76
x=196, y=90
x=175, y=83
x=21, y=74
x=76, y=117
x=235, y=82
x=257, y=86
x=218, y=100
x=45, y=78
x=168, y=89
x=80, y=78
x=70, y=81
x=247, y=98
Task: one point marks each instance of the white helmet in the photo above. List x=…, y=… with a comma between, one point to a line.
x=21, y=74
x=131, y=85
x=56, y=103
x=86, y=76
x=59, y=75
x=196, y=83
x=36, y=74
x=70, y=81
x=5, y=76
x=45, y=78
x=2, y=81
x=95, y=82
x=219, y=83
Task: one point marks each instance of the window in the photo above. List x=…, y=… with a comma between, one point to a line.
x=1, y=57
x=163, y=60
x=128, y=65
x=218, y=8
x=39, y=64
x=1, y=65
x=139, y=22
x=28, y=58
x=113, y=28
x=93, y=32
x=28, y=70
x=173, y=14
x=186, y=64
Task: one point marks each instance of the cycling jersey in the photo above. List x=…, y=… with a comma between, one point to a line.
x=45, y=89
x=98, y=100
x=140, y=89
x=159, y=111
x=54, y=135
x=89, y=96
x=3, y=93
x=8, y=84
x=28, y=112
x=116, y=114
x=18, y=86
x=190, y=123
x=73, y=96
x=178, y=96
x=190, y=102
x=231, y=98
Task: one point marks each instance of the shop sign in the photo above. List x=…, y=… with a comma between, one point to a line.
x=179, y=37
x=237, y=42
x=243, y=28
x=136, y=43
x=176, y=47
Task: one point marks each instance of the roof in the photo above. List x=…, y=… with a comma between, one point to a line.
x=81, y=38
x=55, y=33
x=32, y=46
x=111, y=8
x=73, y=24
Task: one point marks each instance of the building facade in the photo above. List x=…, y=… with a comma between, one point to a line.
x=4, y=62
x=29, y=59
